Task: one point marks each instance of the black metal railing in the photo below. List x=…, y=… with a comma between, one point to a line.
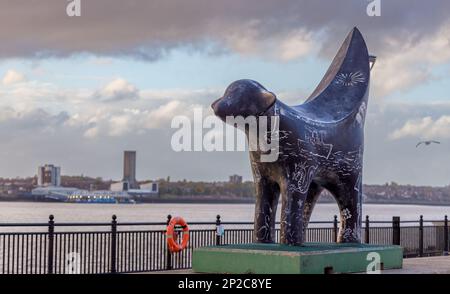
x=115, y=247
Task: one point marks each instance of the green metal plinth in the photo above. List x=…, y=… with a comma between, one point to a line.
x=310, y=258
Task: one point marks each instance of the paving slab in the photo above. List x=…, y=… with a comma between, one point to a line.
x=423, y=265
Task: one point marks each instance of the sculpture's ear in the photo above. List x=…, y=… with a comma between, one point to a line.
x=345, y=85
x=267, y=99
x=350, y=66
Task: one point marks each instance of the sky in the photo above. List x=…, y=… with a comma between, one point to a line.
x=77, y=91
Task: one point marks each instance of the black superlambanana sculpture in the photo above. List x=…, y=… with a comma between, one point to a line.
x=321, y=145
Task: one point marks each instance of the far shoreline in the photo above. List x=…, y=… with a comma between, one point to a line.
x=228, y=201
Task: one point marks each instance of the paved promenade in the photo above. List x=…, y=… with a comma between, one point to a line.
x=424, y=265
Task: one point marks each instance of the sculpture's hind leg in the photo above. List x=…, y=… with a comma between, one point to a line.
x=292, y=204
x=267, y=195
x=348, y=194
x=310, y=201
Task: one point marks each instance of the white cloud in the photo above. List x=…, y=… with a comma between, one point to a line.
x=408, y=64
x=290, y=45
x=163, y=114
x=140, y=120
x=424, y=128
x=119, y=124
x=91, y=132
x=92, y=117
x=101, y=60
x=7, y=113
x=116, y=122
x=35, y=134
x=118, y=89
x=295, y=45
x=13, y=77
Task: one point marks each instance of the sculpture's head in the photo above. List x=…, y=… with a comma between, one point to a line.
x=243, y=98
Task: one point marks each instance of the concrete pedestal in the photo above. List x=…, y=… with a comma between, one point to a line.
x=310, y=258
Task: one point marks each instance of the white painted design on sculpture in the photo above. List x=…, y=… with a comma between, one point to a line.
x=350, y=79
x=302, y=177
x=361, y=113
x=346, y=214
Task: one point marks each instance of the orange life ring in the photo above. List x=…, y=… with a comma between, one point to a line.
x=172, y=235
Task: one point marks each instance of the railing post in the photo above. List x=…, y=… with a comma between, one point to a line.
x=445, y=235
x=168, y=253
x=51, y=231
x=367, y=236
x=335, y=228
x=113, y=244
x=396, y=230
x=218, y=230
x=421, y=236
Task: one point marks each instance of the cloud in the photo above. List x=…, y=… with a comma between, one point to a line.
x=283, y=46
x=149, y=29
x=295, y=45
x=406, y=40
x=33, y=122
x=424, y=128
x=409, y=63
x=390, y=152
x=12, y=77
x=137, y=121
x=116, y=90
x=91, y=132
x=91, y=113
x=41, y=121
x=92, y=122
x=38, y=135
x=101, y=61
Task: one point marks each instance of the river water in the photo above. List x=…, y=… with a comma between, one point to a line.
x=71, y=212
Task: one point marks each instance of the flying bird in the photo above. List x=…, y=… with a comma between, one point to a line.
x=427, y=143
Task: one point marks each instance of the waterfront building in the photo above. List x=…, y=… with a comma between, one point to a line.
x=53, y=193
x=49, y=175
x=99, y=196
x=150, y=187
x=128, y=181
x=125, y=191
x=129, y=170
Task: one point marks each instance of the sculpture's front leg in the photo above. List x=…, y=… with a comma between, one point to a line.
x=267, y=195
x=348, y=194
x=292, y=215
x=351, y=216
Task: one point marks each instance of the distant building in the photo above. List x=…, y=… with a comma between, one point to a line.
x=151, y=186
x=147, y=189
x=49, y=181
x=129, y=170
x=235, y=179
x=53, y=192
x=129, y=183
x=129, y=173
x=100, y=196
x=49, y=175
x=65, y=194
x=118, y=186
